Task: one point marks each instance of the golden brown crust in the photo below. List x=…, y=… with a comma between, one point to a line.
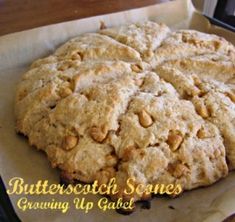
x=98, y=111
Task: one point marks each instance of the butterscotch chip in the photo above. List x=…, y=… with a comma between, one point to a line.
x=149, y=54
x=197, y=80
x=202, y=110
x=231, y=96
x=145, y=119
x=180, y=170
x=217, y=45
x=69, y=142
x=66, y=65
x=202, y=133
x=217, y=153
x=76, y=56
x=139, y=82
x=202, y=93
x=75, y=82
x=64, y=92
x=62, y=67
x=174, y=140
x=136, y=68
x=111, y=160
x=194, y=92
x=98, y=133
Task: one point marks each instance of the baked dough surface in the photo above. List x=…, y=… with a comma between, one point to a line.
x=138, y=101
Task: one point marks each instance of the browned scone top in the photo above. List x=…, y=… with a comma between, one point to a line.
x=137, y=101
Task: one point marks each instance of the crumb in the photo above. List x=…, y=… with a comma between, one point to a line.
x=102, y=25
x=124, y=212
x=171, y=207
x=145, y=204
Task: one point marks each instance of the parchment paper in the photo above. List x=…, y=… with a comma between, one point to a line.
x=17, y=158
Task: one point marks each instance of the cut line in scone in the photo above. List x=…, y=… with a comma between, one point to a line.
x=98, y=111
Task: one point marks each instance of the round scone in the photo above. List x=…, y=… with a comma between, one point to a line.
x=137, y=101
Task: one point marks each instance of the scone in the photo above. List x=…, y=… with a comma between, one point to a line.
x=136, y=101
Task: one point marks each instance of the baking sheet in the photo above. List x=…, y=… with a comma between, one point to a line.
x=18, y=159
